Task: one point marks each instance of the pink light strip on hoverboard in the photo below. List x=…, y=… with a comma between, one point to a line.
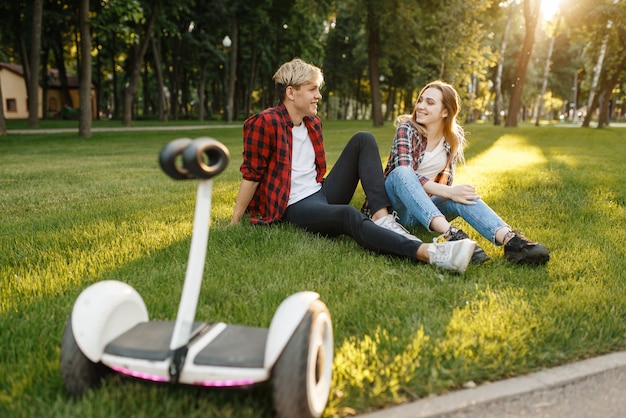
x=224, y=383
x=139, y=375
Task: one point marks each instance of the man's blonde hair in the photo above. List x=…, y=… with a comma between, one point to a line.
x=296, y=73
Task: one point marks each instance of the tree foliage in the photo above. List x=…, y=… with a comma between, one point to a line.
x=167, y=60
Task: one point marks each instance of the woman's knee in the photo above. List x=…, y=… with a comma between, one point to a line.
x=402, y=176
x=402, y=171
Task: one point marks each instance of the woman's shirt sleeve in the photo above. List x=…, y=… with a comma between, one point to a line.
x=406, y=150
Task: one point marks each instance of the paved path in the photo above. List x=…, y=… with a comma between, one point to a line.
x=190, y=127
x=594, y=388
x=124, y=128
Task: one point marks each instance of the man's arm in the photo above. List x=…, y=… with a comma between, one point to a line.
x=244, y=196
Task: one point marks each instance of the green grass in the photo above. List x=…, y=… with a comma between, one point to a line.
x=76, y=211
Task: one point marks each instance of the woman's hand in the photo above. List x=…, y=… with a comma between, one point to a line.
x=463, y=193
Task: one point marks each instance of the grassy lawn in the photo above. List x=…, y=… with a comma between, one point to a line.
x=76, y=211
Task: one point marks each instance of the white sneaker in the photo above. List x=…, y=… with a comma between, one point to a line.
x=390, y=222
x=452, y=255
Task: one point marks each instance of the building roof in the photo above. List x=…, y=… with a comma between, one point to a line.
x=53, y=75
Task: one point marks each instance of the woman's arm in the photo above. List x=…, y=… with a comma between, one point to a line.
x=461, y=193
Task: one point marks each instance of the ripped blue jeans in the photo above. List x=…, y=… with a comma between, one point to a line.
x=415, y=207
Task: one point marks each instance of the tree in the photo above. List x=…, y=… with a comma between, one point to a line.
x=60, y=27
x=232, y=69
x=373, y=54
x=498, y=82
x=35, y=59
x=606, y=89
x=598, y=29
x=546, y=71
x=137, y=53
x=374, y=58
x=611, y=74
x=591, y=103
x=531, y=16
x=158, y=70
x=113, y=26
x=85, y=118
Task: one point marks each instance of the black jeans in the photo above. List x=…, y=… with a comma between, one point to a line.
x=328, y=212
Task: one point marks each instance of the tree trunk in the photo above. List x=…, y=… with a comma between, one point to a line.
x=145, y=84
x=254, y=70
x=174, y=78
x=24, y=58
x=473, y=88
x=138, y=52
x=99, y=83
x=60, y=64
x=531, y=16
x=35, y=58
x=85, y=118
x=373, y=42
x=391, y=93
x=162, y=100
x=544, y=83
x=116, y=97
x=606, y=90
x=201, y=91
x=591, y=103
x=184, y=97
x=605, y=98
x=45, y=57
x=498, y=84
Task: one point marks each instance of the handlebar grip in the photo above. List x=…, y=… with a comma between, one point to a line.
x=206, y=158
x=203, y=158
x=170, y=162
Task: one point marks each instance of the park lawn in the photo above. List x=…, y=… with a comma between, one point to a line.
x=76, y=211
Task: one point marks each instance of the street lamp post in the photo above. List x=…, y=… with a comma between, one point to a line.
x=231, y=68
x=227, y=43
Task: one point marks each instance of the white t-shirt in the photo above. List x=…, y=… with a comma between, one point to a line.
x=433, y=162
x=303, y=173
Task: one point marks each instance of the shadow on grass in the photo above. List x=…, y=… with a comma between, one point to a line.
x=402, y=330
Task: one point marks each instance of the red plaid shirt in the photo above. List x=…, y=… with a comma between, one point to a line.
x=267, y=147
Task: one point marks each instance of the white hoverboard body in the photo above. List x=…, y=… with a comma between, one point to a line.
x=109, y=326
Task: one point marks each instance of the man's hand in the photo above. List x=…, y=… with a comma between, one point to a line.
x=244, y=196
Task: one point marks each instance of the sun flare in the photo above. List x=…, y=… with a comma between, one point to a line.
x=549, y=9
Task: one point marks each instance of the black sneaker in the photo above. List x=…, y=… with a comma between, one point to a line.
x=455, y=234
x=522, y=251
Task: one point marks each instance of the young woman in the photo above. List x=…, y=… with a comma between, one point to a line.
x=419, y=174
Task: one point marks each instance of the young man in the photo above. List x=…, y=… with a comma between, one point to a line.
x=283, y=177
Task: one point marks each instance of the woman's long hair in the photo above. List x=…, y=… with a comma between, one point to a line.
x=452, y=131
